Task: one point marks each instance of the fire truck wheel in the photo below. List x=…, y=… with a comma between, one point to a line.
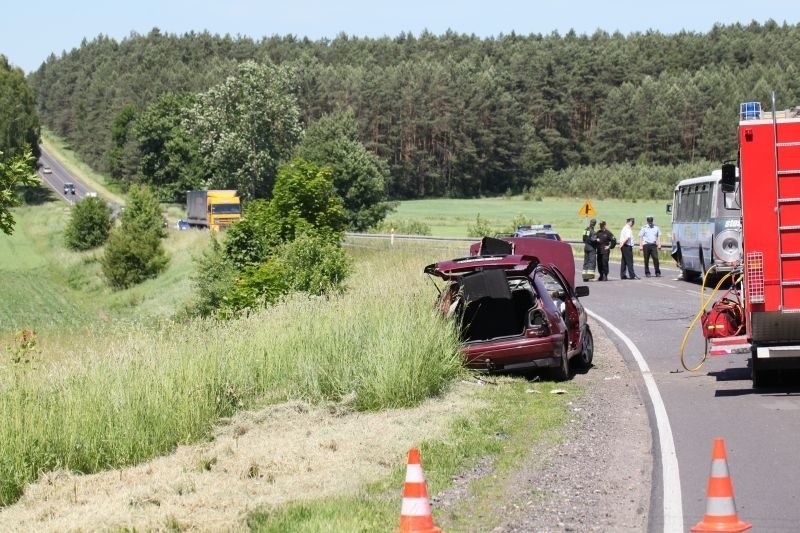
x=760, y=376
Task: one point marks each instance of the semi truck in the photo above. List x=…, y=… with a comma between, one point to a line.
x=769, y=189
x=214, y=210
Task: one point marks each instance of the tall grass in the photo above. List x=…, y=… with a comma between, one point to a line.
x=126, y=396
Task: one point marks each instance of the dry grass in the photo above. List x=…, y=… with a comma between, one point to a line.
x=258, y=459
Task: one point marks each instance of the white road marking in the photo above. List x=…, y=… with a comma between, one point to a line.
x=673, y=505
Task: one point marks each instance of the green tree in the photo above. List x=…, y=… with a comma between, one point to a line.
x=88, y=225
x=123, y=157
x=14, y=172
x=134, y=251
x=142, y=213
x=358, y=176
x=247, y=126
x=170, y=159
x=19, y=122
x=303, y=197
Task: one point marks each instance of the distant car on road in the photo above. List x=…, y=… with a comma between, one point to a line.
x=69, y=188
x=47, y=170
x=543, y=231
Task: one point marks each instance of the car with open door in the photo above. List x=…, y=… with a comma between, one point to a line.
x=516, y=307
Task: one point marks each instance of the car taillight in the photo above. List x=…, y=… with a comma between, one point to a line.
x=537, y=330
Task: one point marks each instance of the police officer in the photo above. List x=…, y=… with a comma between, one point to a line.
x=605, y=243
x=650, y=243
x=589, y=251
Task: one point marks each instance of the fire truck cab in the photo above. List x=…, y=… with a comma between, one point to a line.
x=769, y=167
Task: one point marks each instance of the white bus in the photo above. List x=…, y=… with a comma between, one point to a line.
x=706, y=225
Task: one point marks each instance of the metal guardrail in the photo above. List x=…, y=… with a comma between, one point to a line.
x=422, y=237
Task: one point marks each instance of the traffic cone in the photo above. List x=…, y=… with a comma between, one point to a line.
x=720, y=507
x=415, y=513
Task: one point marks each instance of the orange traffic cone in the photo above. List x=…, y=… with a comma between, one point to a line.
x=415, y=513
x=720, y=507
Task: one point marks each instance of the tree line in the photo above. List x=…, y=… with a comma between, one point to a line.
x=451, y=115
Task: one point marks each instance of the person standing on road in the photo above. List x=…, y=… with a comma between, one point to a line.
x=589, y=251
x=626, y=247
x=605, y=243
x=650, y=244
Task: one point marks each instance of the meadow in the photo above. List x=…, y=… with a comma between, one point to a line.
x=452, y=218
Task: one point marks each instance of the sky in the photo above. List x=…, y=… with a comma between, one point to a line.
x=29, y=33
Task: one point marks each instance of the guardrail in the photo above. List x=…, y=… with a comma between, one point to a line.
x=391, y=236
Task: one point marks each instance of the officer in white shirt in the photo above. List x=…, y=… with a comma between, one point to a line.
x=626, y=247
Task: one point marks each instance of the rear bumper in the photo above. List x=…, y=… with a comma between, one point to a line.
x=513, y=354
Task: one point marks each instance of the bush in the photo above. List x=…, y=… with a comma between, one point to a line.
x=314, y=263
x=481, y=228
x=213, y=279
x=131, y=258
x=402, y=227
x=134, y=252
x=89, y=224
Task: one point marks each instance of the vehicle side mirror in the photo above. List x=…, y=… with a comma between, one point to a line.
x=669, y=208
x=581, y=290
x=728, y=181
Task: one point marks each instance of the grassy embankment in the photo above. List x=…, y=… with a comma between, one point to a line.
x=95, y=398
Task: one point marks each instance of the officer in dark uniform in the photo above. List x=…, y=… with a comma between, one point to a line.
x=605, y=243
x=589, y=251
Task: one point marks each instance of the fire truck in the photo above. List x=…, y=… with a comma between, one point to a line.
x=769, y=189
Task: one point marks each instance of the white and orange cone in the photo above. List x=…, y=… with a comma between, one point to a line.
x=720, y=506
x=415, y=513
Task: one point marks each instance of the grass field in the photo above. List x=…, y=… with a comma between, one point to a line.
x=451, y=218
x=50, y=288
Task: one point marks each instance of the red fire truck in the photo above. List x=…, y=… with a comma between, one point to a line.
x=769, y=168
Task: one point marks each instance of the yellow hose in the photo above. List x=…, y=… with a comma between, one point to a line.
x=703, y=303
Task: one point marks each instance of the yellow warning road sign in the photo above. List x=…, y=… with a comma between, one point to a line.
x=587, y=210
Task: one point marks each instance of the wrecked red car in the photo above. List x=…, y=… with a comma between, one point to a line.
x=516, y=306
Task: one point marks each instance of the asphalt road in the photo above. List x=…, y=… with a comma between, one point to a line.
x=58, y=177
x=760, y=427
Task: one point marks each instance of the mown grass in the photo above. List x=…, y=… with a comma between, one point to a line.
x=509, y=420
x=121, y=396
x=452, y=218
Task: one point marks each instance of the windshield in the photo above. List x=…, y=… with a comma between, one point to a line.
x=226, y=209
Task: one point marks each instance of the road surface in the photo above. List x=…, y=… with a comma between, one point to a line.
x=760, y=426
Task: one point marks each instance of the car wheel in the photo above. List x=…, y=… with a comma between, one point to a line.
x=561, y=373
x=587, y=348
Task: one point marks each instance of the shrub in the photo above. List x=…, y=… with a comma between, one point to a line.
x=89, y=224
x=314, y=263
x=131, y=258
x=134, y=251
x=481, y=228
x=213, y=279
x=402, y=227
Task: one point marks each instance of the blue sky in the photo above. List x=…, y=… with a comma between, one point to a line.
x=30, y=32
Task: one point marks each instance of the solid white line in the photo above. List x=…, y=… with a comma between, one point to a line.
x=673, y=506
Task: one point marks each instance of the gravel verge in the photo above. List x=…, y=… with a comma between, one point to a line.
x=597, y=479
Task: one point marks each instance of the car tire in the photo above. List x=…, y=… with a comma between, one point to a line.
x=587, y=348
x=561, y=372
